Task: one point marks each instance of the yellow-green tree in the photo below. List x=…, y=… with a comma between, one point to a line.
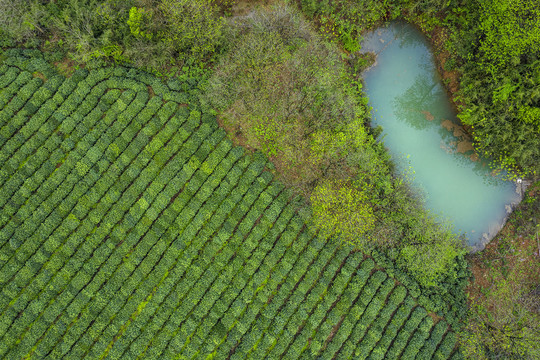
x=430, y=262
x=341, y=209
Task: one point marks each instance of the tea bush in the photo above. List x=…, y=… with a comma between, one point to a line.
x=131, y=226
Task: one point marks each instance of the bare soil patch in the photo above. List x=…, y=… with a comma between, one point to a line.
x=67, y=66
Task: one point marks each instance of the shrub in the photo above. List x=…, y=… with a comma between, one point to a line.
x=20, y=19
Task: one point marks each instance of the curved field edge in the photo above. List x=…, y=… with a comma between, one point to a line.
x=132, y=228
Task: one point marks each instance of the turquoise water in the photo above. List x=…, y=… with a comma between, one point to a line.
x=422, y=133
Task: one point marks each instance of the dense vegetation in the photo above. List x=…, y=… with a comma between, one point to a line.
x=500, y=83
x=281, y=88
x=99, y=165
x=133, y=228
x=274, y=76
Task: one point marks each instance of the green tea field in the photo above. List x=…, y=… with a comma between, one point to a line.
x=132, y=228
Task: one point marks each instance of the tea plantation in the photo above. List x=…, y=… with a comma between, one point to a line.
x=132, y=228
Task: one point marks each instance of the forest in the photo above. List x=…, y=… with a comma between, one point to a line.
x=200, y=179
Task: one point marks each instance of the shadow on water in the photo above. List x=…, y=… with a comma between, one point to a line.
x=413, y=104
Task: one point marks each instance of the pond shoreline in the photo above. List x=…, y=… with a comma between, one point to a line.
x=451, y=83
x=450, y=79
x=377, y=43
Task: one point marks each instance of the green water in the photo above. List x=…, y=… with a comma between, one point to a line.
x=424, y=137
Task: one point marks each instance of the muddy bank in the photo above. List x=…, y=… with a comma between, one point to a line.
x=437, y=38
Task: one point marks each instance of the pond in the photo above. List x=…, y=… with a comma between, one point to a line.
x=425, y=139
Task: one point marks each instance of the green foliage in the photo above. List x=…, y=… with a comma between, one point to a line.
x=510, y=31
x=149, y=34
x=431, y=262
x=136, y=17
x=341, y=209
x=277, y=84
x=345, y=20
x=193, y=28
x=169, y=212
x=349, y=142
x=280, y=88
x=89, y=29
x=137, y=223
x=20, y=20
x=498, y=45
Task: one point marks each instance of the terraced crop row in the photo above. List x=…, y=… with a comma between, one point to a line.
x=131, y=228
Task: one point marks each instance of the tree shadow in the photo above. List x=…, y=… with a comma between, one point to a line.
x=414, y=106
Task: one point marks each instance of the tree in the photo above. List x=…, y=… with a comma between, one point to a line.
x=278, y=84
x=430, y=262
x=19, y=19
x=504, y=324
x=341, y=209
x=193, y=27
x=511, y=29
x=499, y=85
